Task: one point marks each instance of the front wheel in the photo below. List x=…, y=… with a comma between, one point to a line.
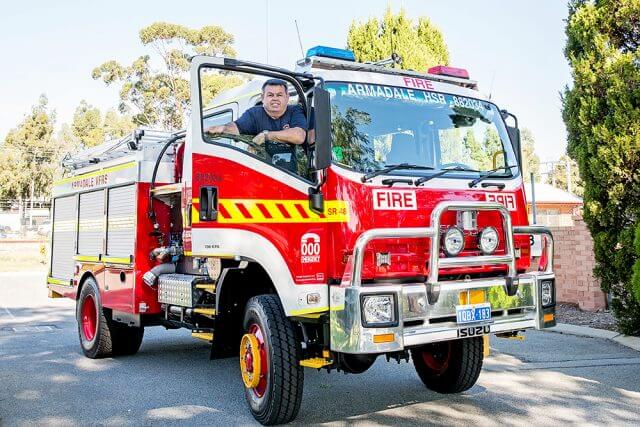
x=449, y=366
x=270, y=362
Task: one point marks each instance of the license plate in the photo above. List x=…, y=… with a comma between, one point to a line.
x=473, y=313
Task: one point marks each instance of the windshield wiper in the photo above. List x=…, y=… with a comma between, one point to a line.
x=442, y=172
x=490, y=173
x=390, y=168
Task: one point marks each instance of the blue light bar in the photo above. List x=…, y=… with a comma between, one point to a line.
x=331, y=52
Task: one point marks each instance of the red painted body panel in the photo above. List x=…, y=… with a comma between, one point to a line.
x=409, y=256
x=145, y=242
x=115, y=293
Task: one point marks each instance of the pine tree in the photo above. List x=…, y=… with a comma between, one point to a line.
x=420, y=45
x=602, y=114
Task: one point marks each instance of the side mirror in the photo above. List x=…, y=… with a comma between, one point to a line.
x=514, y=136
x=322, y=114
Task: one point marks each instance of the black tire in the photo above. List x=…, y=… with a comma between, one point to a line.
x=280, y=402
x=99, y=344
x=449, y=366
x=126, y=340
x=355, y=363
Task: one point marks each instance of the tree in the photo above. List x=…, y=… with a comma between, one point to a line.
x=29, y=156
x=90, y=128
x=530, y=160
x=563, y=169
x=419, y=45
x=475, y=150
x=161, y=98
x=492, y=147
x=87, y=125
x=602, y=115
x=451, y=151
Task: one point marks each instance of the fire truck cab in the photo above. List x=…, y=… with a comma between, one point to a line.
x=401, y=231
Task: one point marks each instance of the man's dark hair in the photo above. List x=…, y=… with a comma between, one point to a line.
x=274, y=82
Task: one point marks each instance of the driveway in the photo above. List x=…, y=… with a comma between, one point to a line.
x=547, y=379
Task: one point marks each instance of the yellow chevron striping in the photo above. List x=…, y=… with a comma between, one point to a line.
x=335, y=211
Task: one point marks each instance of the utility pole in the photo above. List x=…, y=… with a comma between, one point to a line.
x=534, y=210
x=31, y=204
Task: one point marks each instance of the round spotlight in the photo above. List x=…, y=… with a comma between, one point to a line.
x=453, y=241
x=488, y=240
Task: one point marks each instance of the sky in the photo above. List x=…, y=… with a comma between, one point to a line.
x=514, y=49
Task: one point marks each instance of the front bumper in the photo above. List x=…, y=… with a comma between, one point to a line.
x=426, y=312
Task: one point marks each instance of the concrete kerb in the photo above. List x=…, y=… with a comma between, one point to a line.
x=585, y=331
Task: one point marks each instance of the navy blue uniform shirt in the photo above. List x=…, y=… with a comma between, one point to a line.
x=256, y=120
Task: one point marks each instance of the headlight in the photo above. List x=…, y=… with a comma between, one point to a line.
x=547, y=293
x=488, y=240
x=378, y=310
x=453, y=241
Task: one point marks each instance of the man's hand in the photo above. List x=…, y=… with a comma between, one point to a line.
x=215, y=130
x=260, y=138
x=227, y=128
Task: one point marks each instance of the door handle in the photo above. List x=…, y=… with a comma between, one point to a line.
x=208, y=203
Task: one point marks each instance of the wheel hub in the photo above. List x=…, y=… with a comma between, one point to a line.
x=250, y=360
x=89, y=318
x=437, y=356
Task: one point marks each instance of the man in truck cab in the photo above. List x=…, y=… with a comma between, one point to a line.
x=275, y=123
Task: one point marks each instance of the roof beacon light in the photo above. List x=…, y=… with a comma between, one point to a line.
x=331, y=52
x=443, y=70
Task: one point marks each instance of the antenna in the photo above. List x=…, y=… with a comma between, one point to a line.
x=299, y=38
x=394, y=55
x=266, y=3
x=493, y=76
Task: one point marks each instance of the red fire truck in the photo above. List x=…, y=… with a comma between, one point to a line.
x=402, y=232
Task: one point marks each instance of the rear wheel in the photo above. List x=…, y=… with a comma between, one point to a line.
x=100, y=336
x=93, y=325
x=449, y=366
x=270, y=362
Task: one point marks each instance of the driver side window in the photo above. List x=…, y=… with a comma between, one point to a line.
x=218, y=119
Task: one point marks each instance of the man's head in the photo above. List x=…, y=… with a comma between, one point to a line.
x=275, y=97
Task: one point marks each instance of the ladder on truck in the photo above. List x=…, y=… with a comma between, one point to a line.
x=143, y=143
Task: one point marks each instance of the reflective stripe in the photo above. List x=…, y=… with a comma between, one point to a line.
x=117, y=260
x=189, y=253
x=87, y=258
x=53, y=281
x=243, y=211
x=95, y=173
x=309, y=310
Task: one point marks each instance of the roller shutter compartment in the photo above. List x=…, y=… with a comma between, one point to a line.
x=63, y=237
x=91, y=223
x=121, y=221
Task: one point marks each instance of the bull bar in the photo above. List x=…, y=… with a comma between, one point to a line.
x=425, y=312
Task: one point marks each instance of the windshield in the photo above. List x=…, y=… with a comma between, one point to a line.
x=375, y=126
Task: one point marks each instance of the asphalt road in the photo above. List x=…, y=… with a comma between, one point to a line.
x=44, y=379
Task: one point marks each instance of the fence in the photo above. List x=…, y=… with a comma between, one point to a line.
x=24, y=219
x=574, y=262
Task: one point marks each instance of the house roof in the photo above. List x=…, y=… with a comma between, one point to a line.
x=546, y=193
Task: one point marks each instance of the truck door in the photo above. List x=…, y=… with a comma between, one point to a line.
x=245, y=203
